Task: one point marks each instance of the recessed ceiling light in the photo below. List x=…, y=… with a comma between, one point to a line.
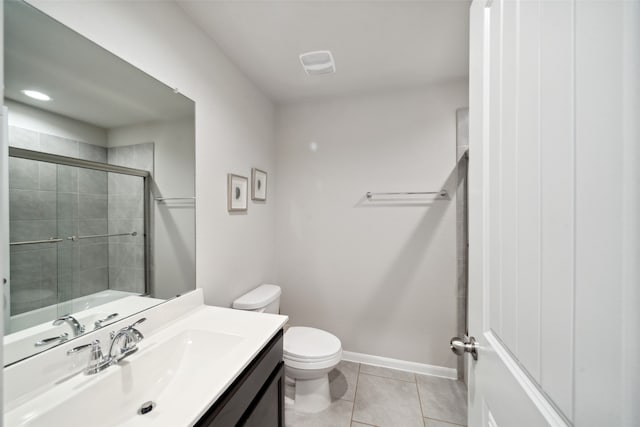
x=318, y=62
x=36, y=95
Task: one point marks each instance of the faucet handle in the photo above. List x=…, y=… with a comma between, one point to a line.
x=131, y=330
x=98, y=323
x=93, y=345
x=97, y=361
x=137, y=322
x=47, y=341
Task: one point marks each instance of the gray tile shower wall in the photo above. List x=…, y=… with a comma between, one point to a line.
x=48, y=200
x=126, y=214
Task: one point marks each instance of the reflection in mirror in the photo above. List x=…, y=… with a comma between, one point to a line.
x=101, y=186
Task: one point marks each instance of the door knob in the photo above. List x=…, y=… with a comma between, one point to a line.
x=466, y=344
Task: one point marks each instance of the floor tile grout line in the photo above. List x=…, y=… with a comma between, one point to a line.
x=355, y=394
x=420, y=402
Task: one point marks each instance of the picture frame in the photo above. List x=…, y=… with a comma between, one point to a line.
x=237, y=187
x=258, y=185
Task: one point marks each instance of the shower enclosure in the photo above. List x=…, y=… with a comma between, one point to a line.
x=79, y=234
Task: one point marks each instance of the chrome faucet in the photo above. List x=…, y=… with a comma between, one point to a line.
x=76, y=327
x=124, y=342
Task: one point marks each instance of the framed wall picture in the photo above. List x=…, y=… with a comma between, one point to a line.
x=237, y=187
x=258, y=185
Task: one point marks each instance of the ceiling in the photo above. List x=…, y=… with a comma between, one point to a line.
x=377, y=45
x=86, y=82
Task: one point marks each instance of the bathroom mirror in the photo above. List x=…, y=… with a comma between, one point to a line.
x=101, y=186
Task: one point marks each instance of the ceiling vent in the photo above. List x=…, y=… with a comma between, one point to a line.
x=318, y=62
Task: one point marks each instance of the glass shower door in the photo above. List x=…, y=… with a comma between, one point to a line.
x=126, y=227
x=34, y=240
x=83, y=256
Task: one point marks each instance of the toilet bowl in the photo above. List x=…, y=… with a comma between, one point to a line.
x=309, y=353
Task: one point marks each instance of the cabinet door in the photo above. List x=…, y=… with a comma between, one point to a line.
x=240, y=400
x=267, y=410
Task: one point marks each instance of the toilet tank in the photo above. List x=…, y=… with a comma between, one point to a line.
x=263, y=299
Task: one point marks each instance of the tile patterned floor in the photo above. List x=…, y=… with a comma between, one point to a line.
x=365, y=396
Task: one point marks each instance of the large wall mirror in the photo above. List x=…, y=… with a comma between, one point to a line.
x=101, y=186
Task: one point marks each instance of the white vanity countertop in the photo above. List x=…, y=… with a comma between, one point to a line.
x=182, y=367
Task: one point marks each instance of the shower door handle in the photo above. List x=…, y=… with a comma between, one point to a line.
x=460, y=346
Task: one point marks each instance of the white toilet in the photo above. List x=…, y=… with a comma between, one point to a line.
x=309, y=353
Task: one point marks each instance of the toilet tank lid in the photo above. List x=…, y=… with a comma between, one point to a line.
x=260, y=297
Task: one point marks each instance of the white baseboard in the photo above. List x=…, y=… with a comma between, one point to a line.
x=401, y=365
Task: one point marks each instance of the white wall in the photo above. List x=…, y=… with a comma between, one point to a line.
x=173, y=221
x=380, y=276
x=234, y=130
x=28, y=117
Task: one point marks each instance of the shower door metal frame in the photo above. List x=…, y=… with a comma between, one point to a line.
x=39, y=156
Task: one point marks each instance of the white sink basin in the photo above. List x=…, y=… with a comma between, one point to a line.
x=162, y=371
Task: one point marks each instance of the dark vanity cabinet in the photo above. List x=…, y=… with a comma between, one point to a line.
x=256, y=397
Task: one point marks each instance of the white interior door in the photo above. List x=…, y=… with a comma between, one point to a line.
x=554, y=212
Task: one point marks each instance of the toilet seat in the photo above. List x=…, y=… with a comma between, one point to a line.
x=311, y=348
